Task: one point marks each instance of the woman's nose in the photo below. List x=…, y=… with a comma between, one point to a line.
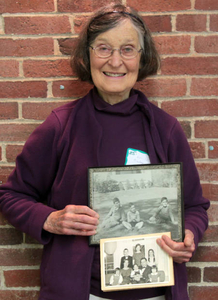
x=115, y=59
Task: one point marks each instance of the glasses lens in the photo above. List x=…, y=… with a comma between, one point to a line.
x=103, y=51
x=128, y=52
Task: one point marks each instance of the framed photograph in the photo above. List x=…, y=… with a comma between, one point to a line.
x=134, y=262
x=135, y=200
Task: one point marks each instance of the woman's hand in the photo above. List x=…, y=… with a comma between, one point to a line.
x=180, y=252
x=72, y=220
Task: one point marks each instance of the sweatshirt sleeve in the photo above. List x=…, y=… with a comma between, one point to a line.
x=22, y=198
x=195, y=205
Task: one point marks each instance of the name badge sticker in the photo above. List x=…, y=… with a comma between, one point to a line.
x=136, y=157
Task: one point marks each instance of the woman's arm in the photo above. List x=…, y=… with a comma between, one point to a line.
x=195, y=205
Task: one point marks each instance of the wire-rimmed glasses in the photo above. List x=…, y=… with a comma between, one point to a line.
x=127, y=52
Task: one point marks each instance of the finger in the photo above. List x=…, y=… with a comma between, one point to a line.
x=176, y=246
x=189, y=239
x=78, y=226
x=70, y=231
x=72, y=218
x=178, y=256
x=69, y=227
x=174, y=249
x=82, y=209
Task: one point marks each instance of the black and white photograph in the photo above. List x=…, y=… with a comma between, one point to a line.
x=134, y=262
x=135, y=200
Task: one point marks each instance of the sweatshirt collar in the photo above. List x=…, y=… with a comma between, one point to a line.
x=125, y=107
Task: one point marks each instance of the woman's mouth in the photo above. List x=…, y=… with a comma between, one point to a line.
x=114, y=74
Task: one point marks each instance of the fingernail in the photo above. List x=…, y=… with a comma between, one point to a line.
x=158, y=242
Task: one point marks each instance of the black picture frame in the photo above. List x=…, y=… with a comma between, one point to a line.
x=155, y=191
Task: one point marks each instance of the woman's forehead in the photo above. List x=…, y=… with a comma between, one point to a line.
x=124, y=32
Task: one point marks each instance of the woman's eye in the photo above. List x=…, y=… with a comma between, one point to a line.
x=104, y=49
x=128, y=49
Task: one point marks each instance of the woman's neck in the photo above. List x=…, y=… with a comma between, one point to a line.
x=113, y=98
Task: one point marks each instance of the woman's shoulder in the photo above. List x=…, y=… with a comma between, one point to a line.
x=157, y=115
x=68, y=111
x=161, y=117
x=64, y=110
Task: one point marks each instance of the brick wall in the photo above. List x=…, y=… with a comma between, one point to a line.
x=35, y=41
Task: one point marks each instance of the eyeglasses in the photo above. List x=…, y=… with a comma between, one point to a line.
x=126, y=52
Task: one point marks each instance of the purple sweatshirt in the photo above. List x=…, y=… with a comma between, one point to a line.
x=52, y=169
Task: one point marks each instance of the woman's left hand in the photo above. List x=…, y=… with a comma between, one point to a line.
x=180, y=251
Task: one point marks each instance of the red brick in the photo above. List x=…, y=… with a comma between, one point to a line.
x=37, y=25
x=173, y=44
x=186, y=126
x=26, y=47
x=79, y=22
x=23, y=89
x=4, y=173
x=72, y=88
x=206, y=129
x=191, y=107
x=206, y=254
x=11, y=6
x=22, y=278
x=47, y=68
x=158, y=23
x=206, y=5
x=10, y=236
x=208, y=171
x=213, y=212
x=8, y=110
x=9, y=68
x=203, y=292
x=16, y=132
x=162, y=87
x=39, y=111
x=189, y=65
x=12, y=151
x=30, y=240
x=211, y=274
x=15, y=294
x=81, y=6
x=213, y=152
x=198, y=149
x=194, y=274
x=211, y=234
x=66, y=45
x=206, y=44
x=210, y=191
x=159, y=5
x=191, y=23
x=214, y=22
x=20, y=257
x=204, y=87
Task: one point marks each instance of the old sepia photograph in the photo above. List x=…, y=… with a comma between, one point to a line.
x=134, y=262
x=139, y=199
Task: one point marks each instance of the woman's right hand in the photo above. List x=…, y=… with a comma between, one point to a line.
x=72, y=220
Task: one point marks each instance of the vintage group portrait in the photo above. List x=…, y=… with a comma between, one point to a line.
x=135, y=200
x=134, y=262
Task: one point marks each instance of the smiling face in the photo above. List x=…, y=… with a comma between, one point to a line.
x=115, y=76
x=164, y=203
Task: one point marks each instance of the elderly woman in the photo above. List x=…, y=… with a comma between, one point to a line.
x=114, y=51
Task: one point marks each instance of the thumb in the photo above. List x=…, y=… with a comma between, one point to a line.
x=189, y=238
